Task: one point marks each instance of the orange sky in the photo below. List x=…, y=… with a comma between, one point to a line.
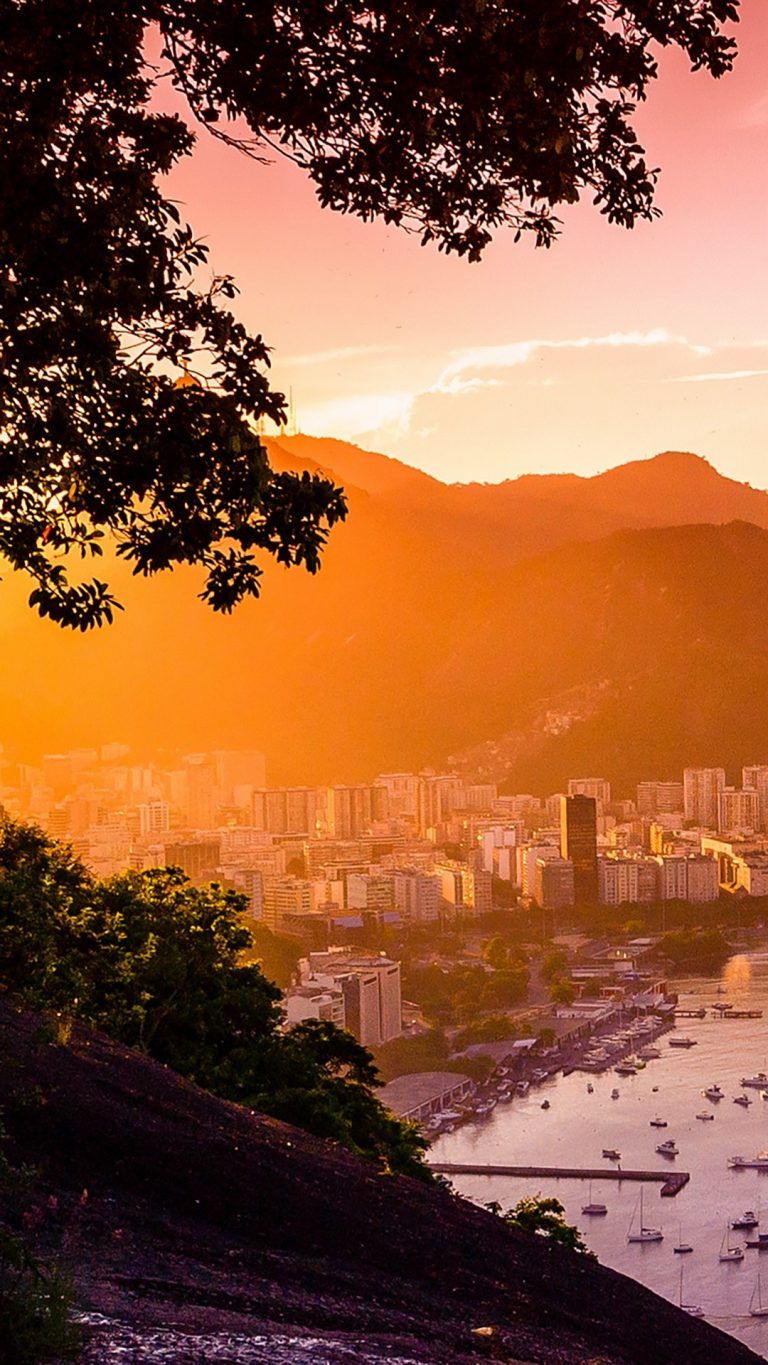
x=575, y=359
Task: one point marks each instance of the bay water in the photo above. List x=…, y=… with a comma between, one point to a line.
x=578, y=1125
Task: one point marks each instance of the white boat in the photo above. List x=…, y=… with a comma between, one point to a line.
x=713, y=1092
x=682, y=1248
x=649, y=1054
x=593, y=1209
x=641, y=1233
x=682, y=1042
x=523, y=1087
x=749, y=1219
x=727, y=1252
x=743, y=1100
x=757, y=1308
x=668, y=1148
x=706, y=1116
x=611, y=1154
x=741, y=1163
x=757, y=1082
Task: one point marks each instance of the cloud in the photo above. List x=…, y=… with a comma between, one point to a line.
x=716, y=376
x=515, y=353
x=331, y=356
x=349, y=417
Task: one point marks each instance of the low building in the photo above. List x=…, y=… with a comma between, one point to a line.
x=424, y=1093
x=315, y=1002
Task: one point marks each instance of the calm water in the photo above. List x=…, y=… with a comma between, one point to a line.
x=578, y=1125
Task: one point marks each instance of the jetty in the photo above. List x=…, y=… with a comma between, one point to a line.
x=671, y=1181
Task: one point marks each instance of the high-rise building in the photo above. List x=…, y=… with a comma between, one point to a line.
x=703, y=879
x=285, y=810
x=198, y=858
x=755, y=778
x=400, y=789
x=659, y=798
x=739, y=811
x=701, y=796
x=553, y=883
x=437, y=797
x=350, y=811
x=578, y=841
x=596, y=787
x=417, y=896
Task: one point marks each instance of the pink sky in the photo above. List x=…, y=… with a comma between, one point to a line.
x=611, y=346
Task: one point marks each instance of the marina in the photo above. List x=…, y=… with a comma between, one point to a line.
x=718, y=1206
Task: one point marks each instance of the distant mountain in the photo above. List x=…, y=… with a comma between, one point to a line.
x=558, y=619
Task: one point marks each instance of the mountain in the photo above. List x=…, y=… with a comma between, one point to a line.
x=561, y=620
x=196, y=1230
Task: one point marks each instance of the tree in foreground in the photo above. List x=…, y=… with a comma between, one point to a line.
x=157, y=964
x=450, y=120
x=544, y=1216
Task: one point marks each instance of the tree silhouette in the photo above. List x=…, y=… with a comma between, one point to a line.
x=451, y=119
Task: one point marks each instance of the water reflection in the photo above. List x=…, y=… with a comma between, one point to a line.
x=579, y=1125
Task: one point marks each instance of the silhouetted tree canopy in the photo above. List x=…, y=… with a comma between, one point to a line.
x=452, y=119
x=161, y=966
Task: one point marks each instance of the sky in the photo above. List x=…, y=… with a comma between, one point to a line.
x=611, y=346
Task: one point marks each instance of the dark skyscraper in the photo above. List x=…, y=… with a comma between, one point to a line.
x=578, y=841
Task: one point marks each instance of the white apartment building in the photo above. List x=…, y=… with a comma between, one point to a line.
x=417, y=896
x=596, y=787
x=755, y=778
x=660, y=798
x=739, y=811
x=528, y=856
x=703, y=879
x=401, y=790
x=313, y=1001
x=371, y=988
x=154, y=818
x=701, y=796
x=673, y=877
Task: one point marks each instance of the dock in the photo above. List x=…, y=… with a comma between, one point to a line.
x=671, y=1181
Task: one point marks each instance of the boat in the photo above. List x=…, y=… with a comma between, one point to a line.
x=756, y=1163
x=594, y=1210
x=658, y=1123
x=668, y=1148
x=614, y=1094
x=757, y=1082
x=727, y=1252
x=649, y=1054
x=682, y=1042
x=764, y=1094
x=682, y=1247
x=706, y=1116
x=747, y=1220
x=625, y=1069
x=611, y=1154
x=545, y=1104
x=590, y=1089
x=713, y=1092
x=523, y=1087
x=641, y=1232
x=655, y=1089
x=758, y=1243
x=757, y=1308
x=743, y=1100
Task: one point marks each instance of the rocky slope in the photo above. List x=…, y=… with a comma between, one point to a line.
x=198, y=1231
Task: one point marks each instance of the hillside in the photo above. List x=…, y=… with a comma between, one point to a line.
x=198, y=1231
x=445, y=620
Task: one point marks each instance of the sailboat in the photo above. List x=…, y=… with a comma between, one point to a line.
x=594, y=1209
x=644, y=1234
x=727, y=1252
x=694, y=1310
x=682, y=1247
x=757, y=1308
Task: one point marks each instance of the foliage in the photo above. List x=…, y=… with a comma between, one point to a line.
x=157, y=964
x=461, y=994
x=450, y=121
x=561, y=992
x=278, y=954
x=493, y=1028
x=545, y=1217
x=35, y=1298
x=696, y=947
x=34, y=1307
x=553, y=965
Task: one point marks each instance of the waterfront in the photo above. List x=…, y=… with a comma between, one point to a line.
x=578, y=1125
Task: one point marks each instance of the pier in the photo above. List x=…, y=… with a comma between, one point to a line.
x=671, y=1181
